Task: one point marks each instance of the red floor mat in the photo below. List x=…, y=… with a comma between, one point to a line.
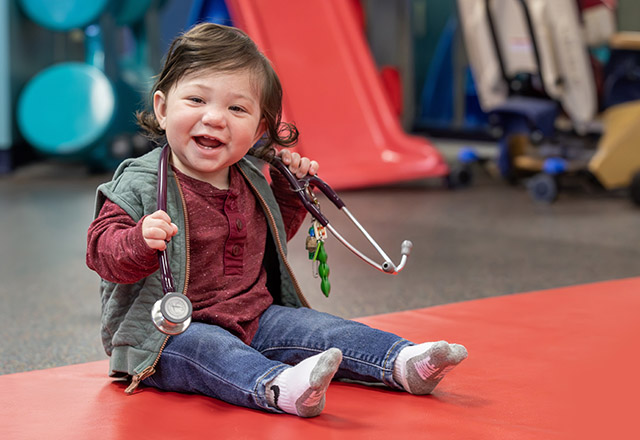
x=554, y=364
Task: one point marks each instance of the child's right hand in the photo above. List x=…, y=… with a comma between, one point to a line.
x=157, y=230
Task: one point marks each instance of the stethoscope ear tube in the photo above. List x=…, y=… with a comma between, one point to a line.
x=301, y=188
x=172, y=313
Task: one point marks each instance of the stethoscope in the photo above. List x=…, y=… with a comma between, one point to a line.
x=172, y=313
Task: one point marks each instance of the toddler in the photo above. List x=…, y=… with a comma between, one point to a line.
x=253, y=341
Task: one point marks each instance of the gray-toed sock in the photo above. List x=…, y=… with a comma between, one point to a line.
x=301, y=389
x=419, y=368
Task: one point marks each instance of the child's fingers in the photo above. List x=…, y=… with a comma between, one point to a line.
x=285, y=155
x=303, y=167
x=165, y=220
x=314, y=167
x=294, y=165
x=299, y=165
x=156, y=238
x=158, y=245
x=291, y=159
x=306, y=166
x=157, y=229
x=160, y=215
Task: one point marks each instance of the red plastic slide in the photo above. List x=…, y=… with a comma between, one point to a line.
x=333, y=92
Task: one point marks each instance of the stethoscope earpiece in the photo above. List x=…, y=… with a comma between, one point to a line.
x=172, y=313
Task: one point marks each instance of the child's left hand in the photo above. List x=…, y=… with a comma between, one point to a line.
x=298, y=165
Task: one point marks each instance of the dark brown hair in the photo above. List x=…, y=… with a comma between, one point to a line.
x=223, y=49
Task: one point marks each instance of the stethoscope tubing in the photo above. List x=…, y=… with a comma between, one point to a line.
x=301, y=188
x=168, y=284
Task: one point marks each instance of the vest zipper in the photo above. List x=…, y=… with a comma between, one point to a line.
x=274, y=228
x=151, y=369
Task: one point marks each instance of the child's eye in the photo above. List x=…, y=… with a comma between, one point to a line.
x=235, y=108
x=196, y=100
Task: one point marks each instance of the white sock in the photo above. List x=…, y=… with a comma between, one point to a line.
x=301, y=389
x=419, y=368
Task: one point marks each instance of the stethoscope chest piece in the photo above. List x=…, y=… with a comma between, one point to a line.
x=172, y=313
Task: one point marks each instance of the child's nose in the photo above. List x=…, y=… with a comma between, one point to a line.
x=214, y=116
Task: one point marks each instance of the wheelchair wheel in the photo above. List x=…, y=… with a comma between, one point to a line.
x=543, y=188
x=460, y=176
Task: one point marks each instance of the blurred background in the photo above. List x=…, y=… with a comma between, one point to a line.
x=499, y=136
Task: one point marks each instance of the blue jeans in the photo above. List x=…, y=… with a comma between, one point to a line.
x=209, y=360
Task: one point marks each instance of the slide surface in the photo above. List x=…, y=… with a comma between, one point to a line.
x=333, y=93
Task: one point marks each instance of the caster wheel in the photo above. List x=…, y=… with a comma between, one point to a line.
x=634, y=189
x=461, y=176
x=536, y=137
x=543, y=188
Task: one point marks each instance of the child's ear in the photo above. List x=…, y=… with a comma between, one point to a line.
x=262, y=127
x=160, y=108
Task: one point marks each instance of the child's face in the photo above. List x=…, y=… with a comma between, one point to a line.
x=211, y=120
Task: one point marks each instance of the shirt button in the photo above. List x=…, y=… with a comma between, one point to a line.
x=235, y=250
x=239, y=224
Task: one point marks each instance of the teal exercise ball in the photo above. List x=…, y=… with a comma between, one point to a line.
x=129, y=12
x=66, y=109
x=63, y=15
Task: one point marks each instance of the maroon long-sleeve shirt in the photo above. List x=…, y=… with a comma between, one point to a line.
x=227, y=236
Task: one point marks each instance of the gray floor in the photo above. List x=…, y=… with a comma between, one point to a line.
x=488, y=240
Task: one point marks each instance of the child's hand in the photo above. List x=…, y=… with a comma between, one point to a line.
x=299, y=166
x=157, y=230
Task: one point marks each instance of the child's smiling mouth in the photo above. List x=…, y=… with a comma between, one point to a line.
x=207, y=142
